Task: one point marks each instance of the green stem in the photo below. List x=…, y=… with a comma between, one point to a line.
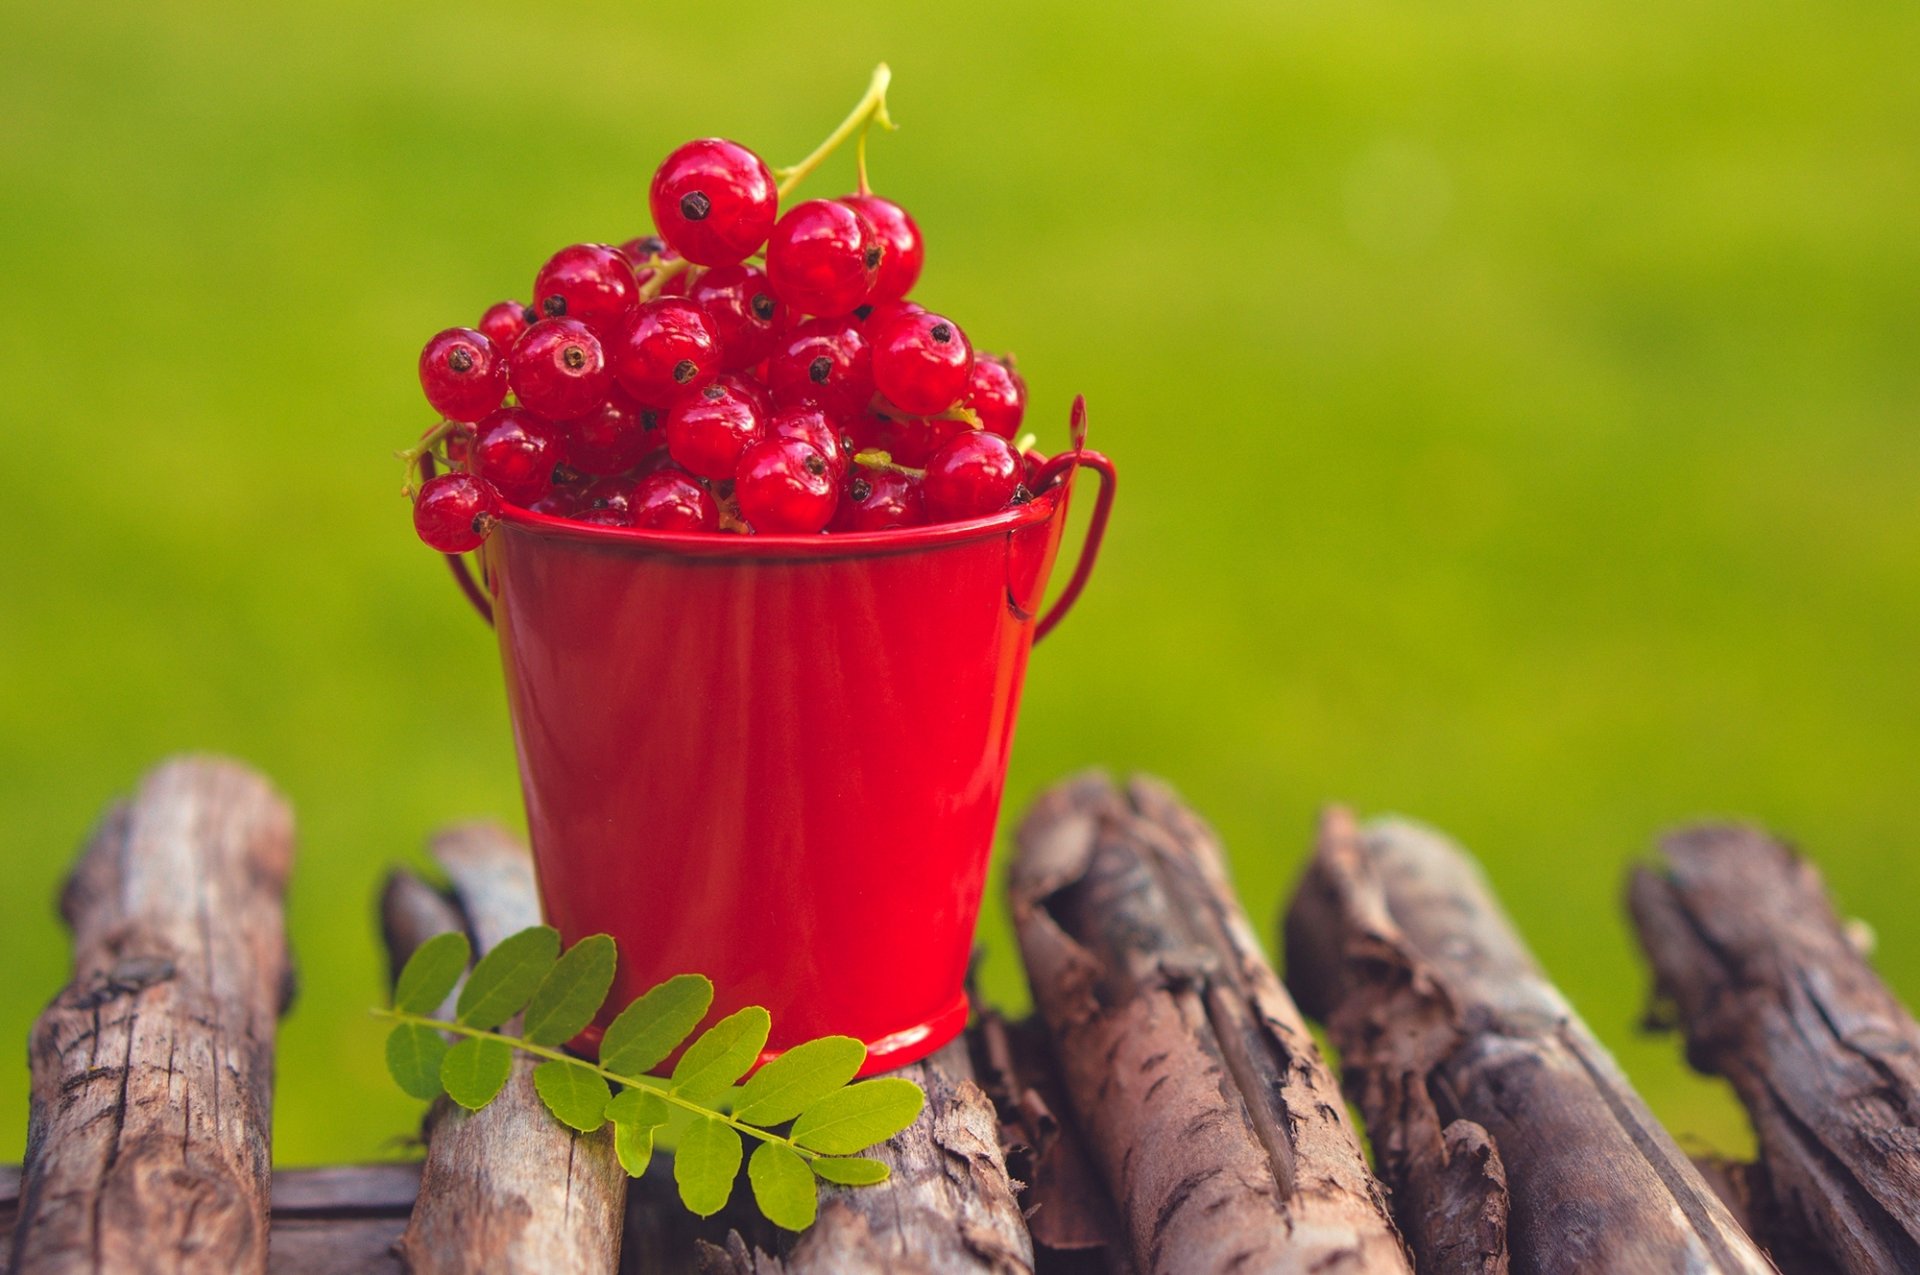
x=662, y=271
x=663, y=1088
x=871, y=109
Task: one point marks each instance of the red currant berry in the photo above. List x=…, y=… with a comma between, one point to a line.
x=667, y=348
x=905, y=252
x=463, y=375
x=641, y=251
x=818, y=430
x=745, y=314
x=589, y=282
x=561, y=502
x=875, y=499
x=824, y=363
x=454, y=512
x=751, y=390
x=504, y=321
x=558, y=370
x=974, y=475
x=708, y=428
x=823, y=258
x=614, y=437
x=785, y=486
x=671, y=501
x=614, y=493
x=998, y=395
x=921, y=362
x=714, y=201
x=913, y=441
x=518, y=453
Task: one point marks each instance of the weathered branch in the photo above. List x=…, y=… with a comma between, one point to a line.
x=1217, y=1128
x=1484, y=1093
x=152, y=1093
x=1746, y=946
x=507, y=1188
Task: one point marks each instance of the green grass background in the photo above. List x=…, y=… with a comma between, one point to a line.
x=1516, y=403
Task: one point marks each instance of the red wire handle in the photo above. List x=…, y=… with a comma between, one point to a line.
x=1065, y=464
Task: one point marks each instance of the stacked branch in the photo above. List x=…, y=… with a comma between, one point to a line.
x=1207, y=1110
x=1507, y=1133
x=1771, y=994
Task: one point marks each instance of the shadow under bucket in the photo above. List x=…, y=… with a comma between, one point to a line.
x=777, y=760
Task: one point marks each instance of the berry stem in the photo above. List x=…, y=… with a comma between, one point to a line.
x=871, y=109
x=879, y=458
x=429, y=441
x=662, y=272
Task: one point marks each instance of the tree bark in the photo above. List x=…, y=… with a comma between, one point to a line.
x=1216, y=1126
x=507, y=1188
x=1746, y=947
x=1490, y=1104
x=148, y=1141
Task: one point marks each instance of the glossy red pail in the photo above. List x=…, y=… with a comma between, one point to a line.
x=777, y=760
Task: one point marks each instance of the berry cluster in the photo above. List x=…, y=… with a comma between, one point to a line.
x=743, y=369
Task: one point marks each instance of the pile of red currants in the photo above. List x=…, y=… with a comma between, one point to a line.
x=743, y=369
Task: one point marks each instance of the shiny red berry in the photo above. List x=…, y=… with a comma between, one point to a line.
x=641, y=251
x=921, y=362
x=913, y=440
x=614, y=437
x=998, y=395
x=668, y=347
x=709, y=427
x=875, y=499
x=518, y=453
x=823, y=258
x=823, y=363
x=614, y=493
x=561, y=502
x=590, y=282
x=504, y=321
x=785, y=486
x=463, y=374
x=974, y=475
x=818, y=429
x=671, y=501
x=745, y=314
x=454, y=512
x=904, y=252
x=557, y=369
x=714, y=201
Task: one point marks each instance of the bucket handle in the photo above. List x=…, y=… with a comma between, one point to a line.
x=1060, y=469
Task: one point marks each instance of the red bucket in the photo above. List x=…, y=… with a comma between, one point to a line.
x=777, y=760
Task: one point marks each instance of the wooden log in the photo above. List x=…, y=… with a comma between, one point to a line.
x=1205, y=1104
x=507, y=1188
x=1772, y=995
x=1486, y=1097
x=148, y=1140
x=948, y=1209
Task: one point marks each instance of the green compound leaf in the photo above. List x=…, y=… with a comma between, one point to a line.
x=413, y=1057
x=639, y=1107
x=430, y=973
x=500, y=984
x=474, y=1071
x=574, y=1093
x=854, y=1118
x=783, y=1186
x=633, y=1147
x=722, y=1055
x=851, y=1170
x=799, y=1078
x=653, y=1026
x=705, y=1164
x=571, y=993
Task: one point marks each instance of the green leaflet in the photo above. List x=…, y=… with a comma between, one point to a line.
x=721, y=1055
x=783, y=1186
x=633, y=1147
x=570, y=994
x=799, y=1078
x=474, y=1071
x=705, y=1164
x=573, y=1092
x=854, y=1118
x=430, y=974
x=637, y=1106
x=653, y=1026
x=500, y=984
x=414, y=1054
x=851, y=1170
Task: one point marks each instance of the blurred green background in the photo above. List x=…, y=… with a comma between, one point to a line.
x=1516, y=407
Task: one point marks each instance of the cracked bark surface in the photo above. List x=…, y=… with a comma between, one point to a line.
x=1747, y=949
x=1218, y=1130
x=1491, y=1106
x=148, y=1141
x=507, y=1188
